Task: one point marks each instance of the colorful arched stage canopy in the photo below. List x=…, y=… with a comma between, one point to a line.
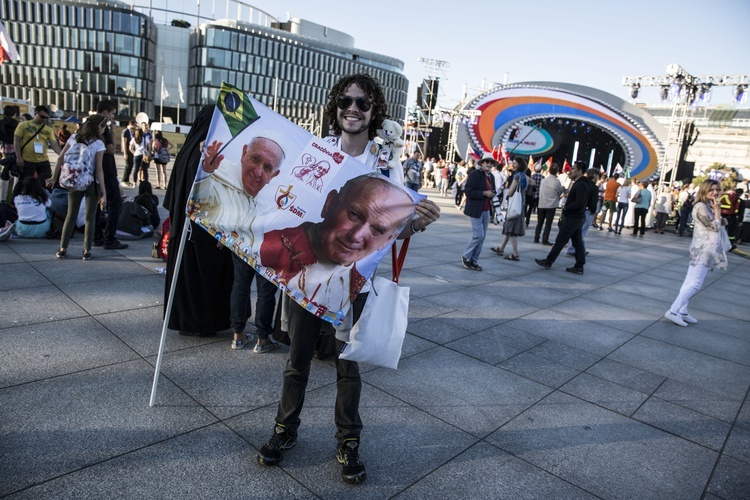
x=506, y=111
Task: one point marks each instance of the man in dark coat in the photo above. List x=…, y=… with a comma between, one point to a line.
x=571, y=223
x=479, y=189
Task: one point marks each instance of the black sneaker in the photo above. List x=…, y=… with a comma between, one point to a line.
x=115, y=245
x=543, y=263
x=475, y=266
x=273, y=451
x=466, y=262
x=574, y=270
x=347, y=453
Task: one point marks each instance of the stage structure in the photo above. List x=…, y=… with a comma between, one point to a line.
x=683, y=89
x=567, y=122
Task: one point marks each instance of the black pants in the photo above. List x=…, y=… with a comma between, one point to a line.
x=304, y=328
x=545, y=216
x=531, y=204
x=107, y=233
x=570, y=229
x=128, y=167
x=639, y=220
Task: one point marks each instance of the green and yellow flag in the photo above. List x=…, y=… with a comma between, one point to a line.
x=236, y=107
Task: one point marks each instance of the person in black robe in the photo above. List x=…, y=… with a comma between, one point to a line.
x=201, y=301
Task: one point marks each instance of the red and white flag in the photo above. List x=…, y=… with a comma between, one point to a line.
x=8, y=52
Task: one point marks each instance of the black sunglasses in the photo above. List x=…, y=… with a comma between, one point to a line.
x=344, y=101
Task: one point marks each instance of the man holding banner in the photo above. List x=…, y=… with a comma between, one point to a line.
x=356, y=109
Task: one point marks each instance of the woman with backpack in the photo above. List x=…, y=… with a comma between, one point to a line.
x=160, y=148
x=83, y=151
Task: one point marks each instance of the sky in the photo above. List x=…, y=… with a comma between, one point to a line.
x=587, y=42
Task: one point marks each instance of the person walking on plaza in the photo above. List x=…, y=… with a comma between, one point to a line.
x=592, y=175
x=610, y=202
x=642, y=200
x=515, y=227
x=550, y=191
x=706, y=250
x=479, y=190
x=356, y=109
x=30, y=142
x=572, y=220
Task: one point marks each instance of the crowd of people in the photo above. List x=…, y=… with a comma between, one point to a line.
x=41, y=206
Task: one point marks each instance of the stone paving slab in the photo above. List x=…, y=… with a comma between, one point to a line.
x=63, y=424
x=52, y=349
x=604, y=453
x=167, y=469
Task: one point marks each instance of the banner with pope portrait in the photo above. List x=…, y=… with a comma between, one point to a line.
x=310, y=218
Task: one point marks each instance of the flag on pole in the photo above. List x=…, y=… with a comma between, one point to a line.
x=549, y=162
x=164, y=92
x=504, y=153
x=8, y=52
x=531, y=161
x=179, y=91
x=566, y=166
x=237, y=109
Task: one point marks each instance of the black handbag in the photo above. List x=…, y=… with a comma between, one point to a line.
x=10, y=167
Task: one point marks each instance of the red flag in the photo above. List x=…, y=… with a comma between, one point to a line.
x=495, y=153
x=549, y=162
x=566, y=166
x=505, y=154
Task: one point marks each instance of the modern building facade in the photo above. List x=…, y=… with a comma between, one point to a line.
x=77, y=52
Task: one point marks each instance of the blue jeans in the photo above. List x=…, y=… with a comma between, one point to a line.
x=265, y=305
x=622, y=211
x=479, y=227
x=584, y=230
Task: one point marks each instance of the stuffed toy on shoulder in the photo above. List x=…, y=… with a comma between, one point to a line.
x=390, y=134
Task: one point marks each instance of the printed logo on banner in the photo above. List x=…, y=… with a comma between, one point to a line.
x=311, y=171
x=285, y=201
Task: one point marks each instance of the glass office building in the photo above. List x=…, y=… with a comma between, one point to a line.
x=75, y=53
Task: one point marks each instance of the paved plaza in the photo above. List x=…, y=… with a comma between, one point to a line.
x=515, y=382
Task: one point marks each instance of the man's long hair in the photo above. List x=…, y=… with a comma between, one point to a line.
x=372, y=91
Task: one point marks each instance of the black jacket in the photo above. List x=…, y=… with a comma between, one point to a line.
x=578, y=198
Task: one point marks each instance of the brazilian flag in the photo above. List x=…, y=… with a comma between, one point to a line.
x=236, y=107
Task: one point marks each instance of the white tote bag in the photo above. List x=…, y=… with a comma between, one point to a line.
x=378, y=335
x=514, y=206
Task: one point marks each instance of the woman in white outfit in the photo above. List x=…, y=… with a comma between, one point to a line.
x=706, y=250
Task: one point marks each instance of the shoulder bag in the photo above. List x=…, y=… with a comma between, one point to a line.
x=378, y=336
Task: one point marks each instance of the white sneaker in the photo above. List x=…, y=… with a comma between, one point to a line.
x=675, y=318
x=688, y=319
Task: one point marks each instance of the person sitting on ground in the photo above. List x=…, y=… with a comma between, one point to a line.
x=32, y=203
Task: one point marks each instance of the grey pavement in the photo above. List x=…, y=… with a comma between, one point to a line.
x=514, y=382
